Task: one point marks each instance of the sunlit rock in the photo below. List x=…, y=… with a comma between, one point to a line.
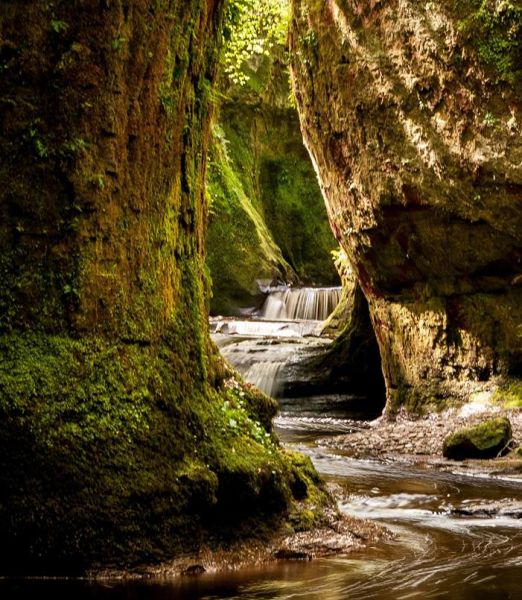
x=411, y=112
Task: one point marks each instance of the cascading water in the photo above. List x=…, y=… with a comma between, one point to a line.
x=308, y=304
x=265, y=376
x=263, y=328
x=262, y=348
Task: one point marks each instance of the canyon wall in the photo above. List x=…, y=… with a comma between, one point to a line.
x=123, y=439
x=412, y=115
x=267, y=218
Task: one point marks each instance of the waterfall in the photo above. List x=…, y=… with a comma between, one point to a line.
x=263, y=346
x=265, y=328
x=259, y=361
x=264, y=375
x=310, y=304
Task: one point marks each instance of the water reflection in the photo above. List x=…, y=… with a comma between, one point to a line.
x=436, y=553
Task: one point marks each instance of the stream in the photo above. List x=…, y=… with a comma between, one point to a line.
x=445, y=543
x=435, y=554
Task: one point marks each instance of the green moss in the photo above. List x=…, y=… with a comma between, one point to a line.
x=495, y=30
x=119, y=442
x=295, y=213
x=94, y=437
x=422, y=403
x=103, y=453
x=339, y=319
x=240, y=247
x=309, y=491
x=510, y=394
x=268, y=218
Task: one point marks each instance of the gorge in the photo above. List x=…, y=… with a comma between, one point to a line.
x=140, y=192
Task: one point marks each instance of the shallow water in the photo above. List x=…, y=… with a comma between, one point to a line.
x=436, y=553
x=443, y=546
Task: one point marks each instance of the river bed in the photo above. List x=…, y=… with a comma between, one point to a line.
x=445, y=543
x=438, y=551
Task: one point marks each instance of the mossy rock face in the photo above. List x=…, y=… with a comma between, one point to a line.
x=267, y=215
x=240, y=248
x=122, y=442
x=486, y=440
x=106, y=460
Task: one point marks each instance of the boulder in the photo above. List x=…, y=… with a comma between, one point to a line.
x=485, y=440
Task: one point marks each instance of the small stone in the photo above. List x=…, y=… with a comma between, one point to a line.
x=194, y=570
x=287, y=554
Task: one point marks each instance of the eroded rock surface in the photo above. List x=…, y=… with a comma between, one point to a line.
x=412, y=115
x=122, y=442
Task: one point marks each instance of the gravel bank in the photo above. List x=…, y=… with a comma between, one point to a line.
x=417, y=437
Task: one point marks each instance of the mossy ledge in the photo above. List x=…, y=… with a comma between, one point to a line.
x=122, y=442
x=109, y=461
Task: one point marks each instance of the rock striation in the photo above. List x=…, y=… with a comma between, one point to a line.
x=412, y=115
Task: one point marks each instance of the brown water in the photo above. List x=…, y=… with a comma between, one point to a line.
x=439, y=551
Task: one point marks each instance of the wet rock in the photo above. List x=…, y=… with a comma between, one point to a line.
x=287, y=554
x=194, y=570
x=507, y=508
x=488, y=439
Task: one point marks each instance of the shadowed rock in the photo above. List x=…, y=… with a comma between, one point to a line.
x=486, y=440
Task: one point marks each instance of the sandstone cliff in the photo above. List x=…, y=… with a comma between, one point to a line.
x=412, y=114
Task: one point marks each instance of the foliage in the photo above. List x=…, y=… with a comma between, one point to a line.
x=59, y=26
x=496, y=27
x=252, y=29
